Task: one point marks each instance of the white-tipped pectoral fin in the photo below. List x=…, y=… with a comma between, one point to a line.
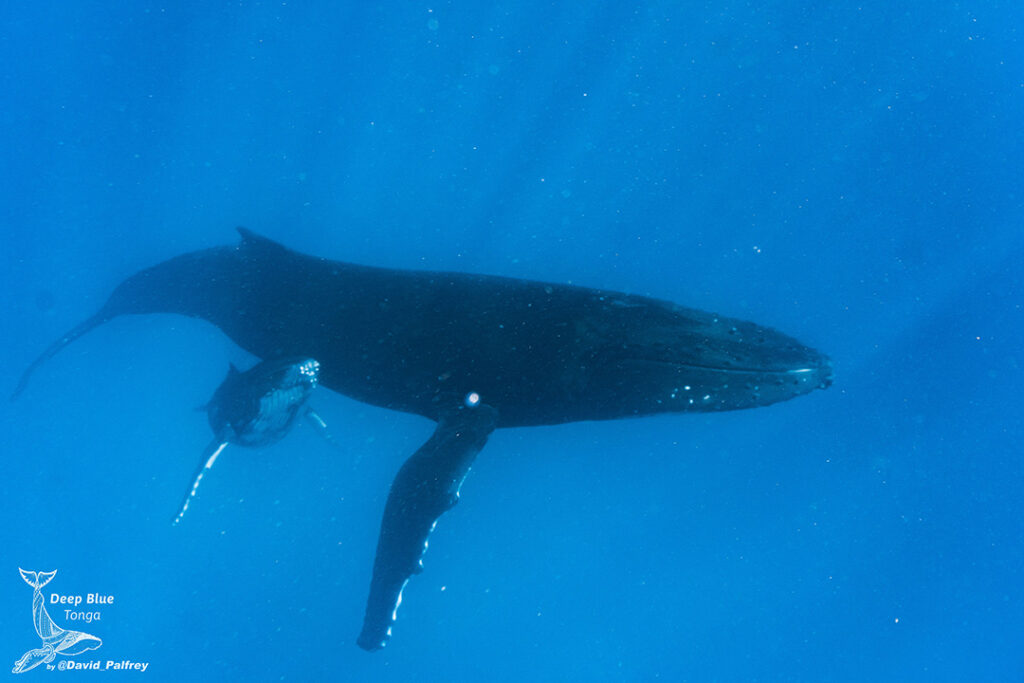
x=425, y=487
x=321, y=428
x=205, y=464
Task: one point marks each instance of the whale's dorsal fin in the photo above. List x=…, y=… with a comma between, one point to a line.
x=424, y=489
x=252, y=239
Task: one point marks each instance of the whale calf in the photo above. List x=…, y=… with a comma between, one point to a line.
x=474, y=353
x=257, y=407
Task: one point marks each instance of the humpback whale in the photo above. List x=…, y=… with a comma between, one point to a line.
x=474, y=353
x=257, y=407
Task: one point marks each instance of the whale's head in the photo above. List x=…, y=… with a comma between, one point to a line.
x=665, y=358
x=302, y=374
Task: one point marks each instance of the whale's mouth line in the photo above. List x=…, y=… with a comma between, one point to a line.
x=735, y=369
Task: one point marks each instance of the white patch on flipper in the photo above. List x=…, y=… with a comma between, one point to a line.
x=212, y=459
x=398, y=603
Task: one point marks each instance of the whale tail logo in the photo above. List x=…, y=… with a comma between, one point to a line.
x=37, y=579
x=55, y=640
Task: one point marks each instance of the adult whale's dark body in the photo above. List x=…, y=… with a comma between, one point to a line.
x=472, y=352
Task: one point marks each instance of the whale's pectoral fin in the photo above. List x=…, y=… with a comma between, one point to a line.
x=205, y=464
x=321, y=428
x=426, y=486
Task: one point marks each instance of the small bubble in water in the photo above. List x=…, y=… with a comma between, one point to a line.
x=472, y=399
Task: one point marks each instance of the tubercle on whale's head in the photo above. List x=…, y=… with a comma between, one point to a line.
x=303, y=373
x=282, y=374
x=310, y=369
x=288, y=375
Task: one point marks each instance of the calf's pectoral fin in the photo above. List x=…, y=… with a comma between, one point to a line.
x=206, y=462
x=426, y=486
x=321, y=428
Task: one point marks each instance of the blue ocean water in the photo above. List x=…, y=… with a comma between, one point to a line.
x=849, y=174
